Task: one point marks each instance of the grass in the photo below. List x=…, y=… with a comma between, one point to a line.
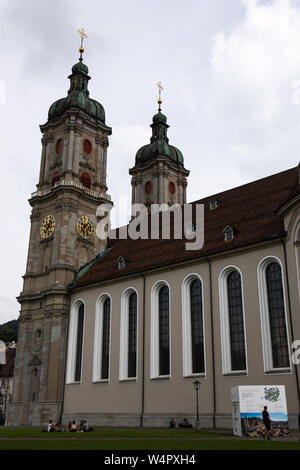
x=105, y=433
x=124, y=439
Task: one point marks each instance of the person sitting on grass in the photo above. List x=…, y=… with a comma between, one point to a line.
x=73, y=427
x=86, y=427
x=172, y=424
x=51, y=426
x=69, y=426
x=80, y=427
x=185, y=424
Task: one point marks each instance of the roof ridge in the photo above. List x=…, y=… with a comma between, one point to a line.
x=243, y=185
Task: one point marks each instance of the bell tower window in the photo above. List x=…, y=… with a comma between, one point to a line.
x=55, y=178
x=87, y=146
x=85, y=180
x=59, y=145
x=148, y=187
x=171, y=188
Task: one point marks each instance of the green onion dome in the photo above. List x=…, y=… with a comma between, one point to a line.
x=78, y=97
x=159, y=143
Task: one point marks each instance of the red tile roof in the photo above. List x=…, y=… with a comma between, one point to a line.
x=249, y=209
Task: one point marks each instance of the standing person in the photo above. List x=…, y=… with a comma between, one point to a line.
x=267, y=422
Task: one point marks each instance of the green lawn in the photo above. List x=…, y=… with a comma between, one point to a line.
x=105, y=433
x=121, y=439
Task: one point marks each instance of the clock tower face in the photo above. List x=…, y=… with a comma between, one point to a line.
x=47, y=226
x=86, y=227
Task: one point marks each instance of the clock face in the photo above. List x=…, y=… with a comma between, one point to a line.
x=48, y=226
x=86, y=227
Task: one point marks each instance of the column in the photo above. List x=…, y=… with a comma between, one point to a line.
x=43, y=160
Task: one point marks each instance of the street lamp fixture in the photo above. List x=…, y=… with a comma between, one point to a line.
x=197, y=384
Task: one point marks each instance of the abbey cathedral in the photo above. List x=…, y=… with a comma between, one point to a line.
x=116, y=331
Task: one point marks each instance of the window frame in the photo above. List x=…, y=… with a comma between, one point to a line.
x=297, y=253
x=224, y=322
x=98, y=338
x=154, y=331
x=72, y=342
x=187, y=360
x=124, y=331
x=265, y=316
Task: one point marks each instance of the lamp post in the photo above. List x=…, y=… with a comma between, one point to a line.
x=197, y=384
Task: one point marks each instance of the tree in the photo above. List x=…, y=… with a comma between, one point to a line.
x=7, y=334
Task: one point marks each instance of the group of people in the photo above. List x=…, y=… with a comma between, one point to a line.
x=185, y=424
x=71, y=427
x=264, y=429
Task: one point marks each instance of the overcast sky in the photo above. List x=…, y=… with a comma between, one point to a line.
x=231, y=74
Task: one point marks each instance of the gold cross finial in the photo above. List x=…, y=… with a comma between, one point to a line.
x=160, y=88
x=83, y=36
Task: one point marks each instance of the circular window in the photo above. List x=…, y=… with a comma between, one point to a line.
x=87, y=146
x=172, y=188
x=148, y=187
x=59, y=145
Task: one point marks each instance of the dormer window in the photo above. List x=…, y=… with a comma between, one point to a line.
x=228, y=233
x=121, y=262
x=213, y=204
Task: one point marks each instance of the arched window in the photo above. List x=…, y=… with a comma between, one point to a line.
x=160, y=330
x=105, y=339
x=74, y=364
x=192, y=326
x=59, y=145
x=280, y=352
x=273, y=315
x=102, y=339
x=232, y=321
x=85, y=180
x=55, y=178
x=297, y=250
x=236, y=321
x=87, y=146
x=128, y=335
x=163, y=328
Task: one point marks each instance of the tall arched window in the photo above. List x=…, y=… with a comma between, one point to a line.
x=55, y=178
x=160, y=330
x=163, y=328
x=74, y=364
x=236, y=321
x=277, y=316
x=297, y=252
x=273, y=316
x=233, y=338
x=132, y=335
x=128, y=335
x=192, y=326
x=102, y=339
x=197, y=326
x=85, y=180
